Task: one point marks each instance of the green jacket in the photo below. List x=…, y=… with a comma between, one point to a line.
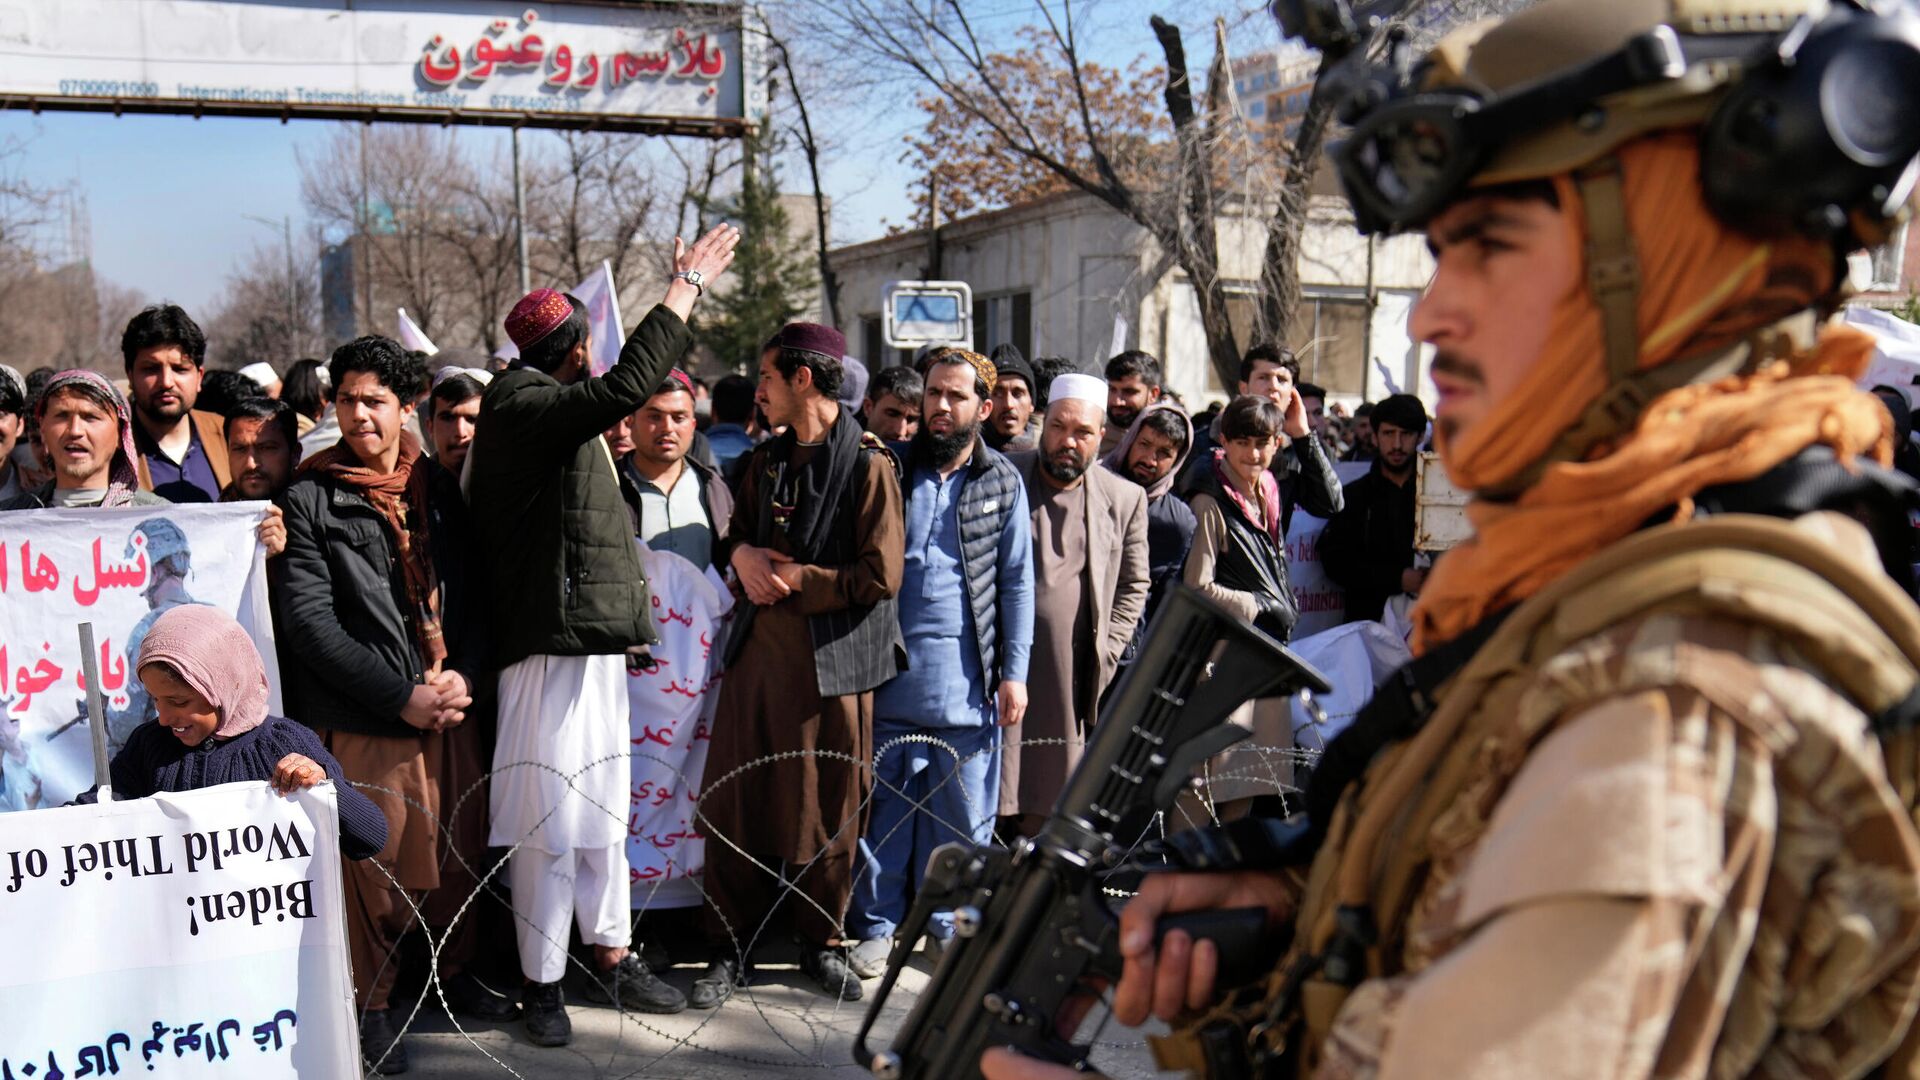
x=565, y=574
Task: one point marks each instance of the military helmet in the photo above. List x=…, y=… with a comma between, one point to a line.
x=1804, y=106
x=164, y=540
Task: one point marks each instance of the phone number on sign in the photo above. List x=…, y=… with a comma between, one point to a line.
x=101, y=88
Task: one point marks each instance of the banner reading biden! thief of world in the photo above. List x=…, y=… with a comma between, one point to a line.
x=119, y=570
x=191, y=934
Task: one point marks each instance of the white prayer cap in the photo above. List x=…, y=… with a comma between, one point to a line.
x=260, y=372
x=479, y=375
x=13, y=376
x=1075, y=386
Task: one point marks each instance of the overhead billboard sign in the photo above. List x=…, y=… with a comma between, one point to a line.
x=928, y=313
x=677, y=68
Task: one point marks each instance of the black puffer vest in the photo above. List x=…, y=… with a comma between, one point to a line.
x=1251, y=562
x=987, y=496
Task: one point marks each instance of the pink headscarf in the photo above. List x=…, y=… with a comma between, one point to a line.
x=215, y=657
x=122, y=478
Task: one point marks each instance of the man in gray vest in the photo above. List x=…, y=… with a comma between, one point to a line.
x=966, y=610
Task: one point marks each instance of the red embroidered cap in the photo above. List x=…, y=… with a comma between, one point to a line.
x=538, y=314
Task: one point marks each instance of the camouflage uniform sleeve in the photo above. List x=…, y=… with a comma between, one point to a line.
x=1571, y=917
x=1699, y=868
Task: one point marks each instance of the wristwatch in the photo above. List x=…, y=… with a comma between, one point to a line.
x=694, y=278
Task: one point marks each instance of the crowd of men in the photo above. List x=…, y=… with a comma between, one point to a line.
x=939, y=570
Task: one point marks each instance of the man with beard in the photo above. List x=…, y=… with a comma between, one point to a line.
x=966, y=612
x=1012, y=426
x=177, y=444
x=1090, y=586
x=1133, y=382
x=1150, y=454
x=262, y=448
x=87, y=431
x=1367, y=548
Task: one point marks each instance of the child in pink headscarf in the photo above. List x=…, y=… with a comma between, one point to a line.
x=205, y=676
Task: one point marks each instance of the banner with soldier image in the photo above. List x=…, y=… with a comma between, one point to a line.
x=117, y=569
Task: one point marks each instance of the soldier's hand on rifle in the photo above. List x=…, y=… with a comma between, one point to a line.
x=1180, y=976
x=1001, y=1063
x=1012, y=702
x=273, y=531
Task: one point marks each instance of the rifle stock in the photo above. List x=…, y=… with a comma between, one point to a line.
x=1032, y=923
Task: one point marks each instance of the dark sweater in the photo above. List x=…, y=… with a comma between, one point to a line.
x=154, y=760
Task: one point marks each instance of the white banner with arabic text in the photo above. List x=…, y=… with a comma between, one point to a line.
x=118, y=569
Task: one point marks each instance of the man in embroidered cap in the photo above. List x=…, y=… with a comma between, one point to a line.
x=88, y=432
x=816, y=546
x=569, y=603
x=179, y=454
x=1090, y=576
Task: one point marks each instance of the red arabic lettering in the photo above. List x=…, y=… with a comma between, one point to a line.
x=592, y=77
x=658, y=736
x=109, y=575
x=440, y=62
x=702, y=59
x=113, y=670
x=3, y=578
x=37, y=576
x=562, y=58
x=684, y=619
x=630, y=66
x=27, y=684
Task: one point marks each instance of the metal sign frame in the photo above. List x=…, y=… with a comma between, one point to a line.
x=900, y=334
x=119, y=97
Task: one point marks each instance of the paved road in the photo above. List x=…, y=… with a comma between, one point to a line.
x=780, y=1026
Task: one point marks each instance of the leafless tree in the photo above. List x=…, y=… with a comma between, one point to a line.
x=269, y=310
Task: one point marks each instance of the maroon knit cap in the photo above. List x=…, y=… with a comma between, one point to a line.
x=538, y=314
x=811, y=337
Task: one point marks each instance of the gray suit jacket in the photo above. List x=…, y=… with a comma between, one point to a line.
x=1116, y=575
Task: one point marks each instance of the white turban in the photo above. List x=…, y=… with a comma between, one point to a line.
x=479, y=375
x=1075, y=386
x=260, y=372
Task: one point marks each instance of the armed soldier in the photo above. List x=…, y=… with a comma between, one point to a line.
x=1629, y=812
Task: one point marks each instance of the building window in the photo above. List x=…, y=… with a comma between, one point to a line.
x=1889, y=260
x=1330, y=338
x=1257, y=109
x=1004, y=320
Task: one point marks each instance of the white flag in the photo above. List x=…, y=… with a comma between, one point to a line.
x=413, y=337
x=603, y=317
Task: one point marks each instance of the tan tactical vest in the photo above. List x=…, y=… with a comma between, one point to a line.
x=1794, y=582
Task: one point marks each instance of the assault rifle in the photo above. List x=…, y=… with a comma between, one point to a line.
x=1032, y=924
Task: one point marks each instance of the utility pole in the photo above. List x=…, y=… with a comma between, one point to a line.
x=520, y=217
x=293, y=284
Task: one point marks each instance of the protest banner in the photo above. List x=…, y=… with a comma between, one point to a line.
x=672, y=719
x=118, y=569
x=191, y=934
x=1323, y=604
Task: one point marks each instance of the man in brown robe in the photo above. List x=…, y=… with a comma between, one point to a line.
x=817, y=550
x=1090, y=586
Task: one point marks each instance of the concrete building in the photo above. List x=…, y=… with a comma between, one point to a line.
x=1068, y=276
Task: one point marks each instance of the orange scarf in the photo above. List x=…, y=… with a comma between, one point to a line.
x=1704, y=286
